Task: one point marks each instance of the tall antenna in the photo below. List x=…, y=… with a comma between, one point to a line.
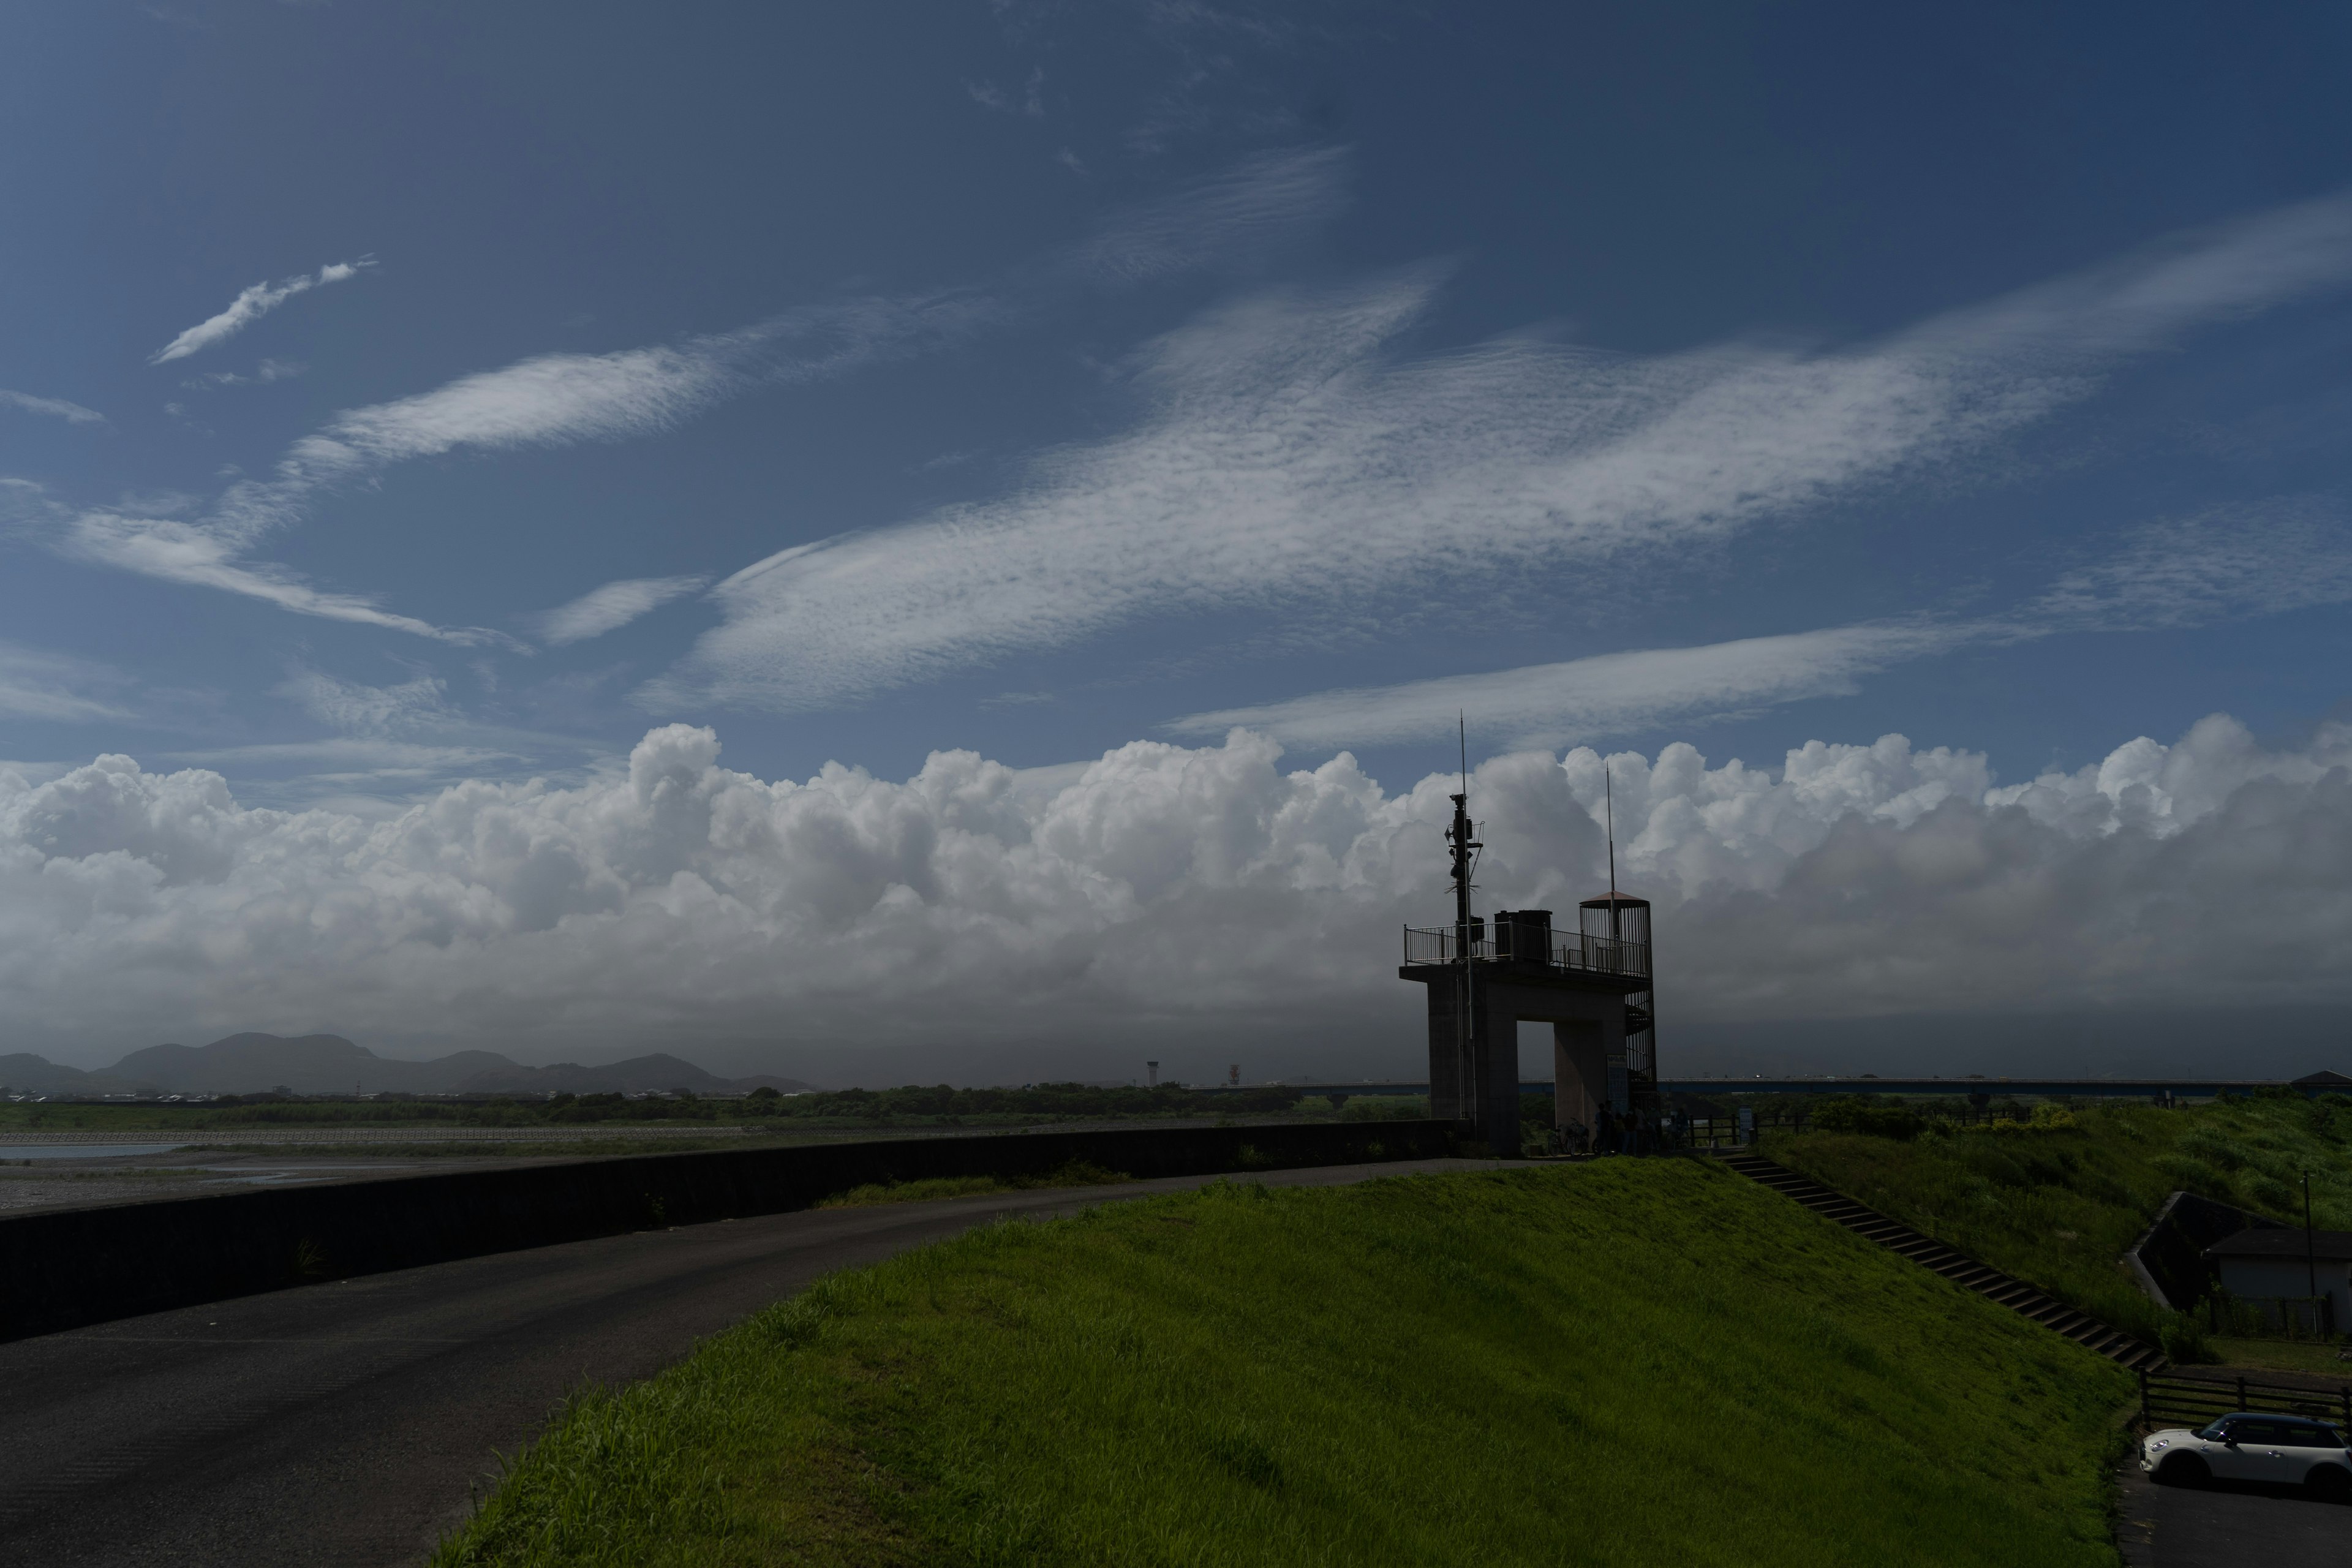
x=1462, y=722
x=1608, y=815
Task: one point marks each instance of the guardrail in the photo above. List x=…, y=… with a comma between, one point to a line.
x=1583, y=954
x=2172, y=1400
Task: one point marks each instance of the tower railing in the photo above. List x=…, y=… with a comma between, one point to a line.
x=1583, y=954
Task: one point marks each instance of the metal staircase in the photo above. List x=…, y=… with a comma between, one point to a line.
x=1959, y=1268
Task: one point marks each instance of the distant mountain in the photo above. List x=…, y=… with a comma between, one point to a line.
x=636, y=1076
x=27, y=1074
x=329, y=1064
x=312, y=1064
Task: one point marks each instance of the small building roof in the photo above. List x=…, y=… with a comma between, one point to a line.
x=2284, y=1242
x=2322, y=1079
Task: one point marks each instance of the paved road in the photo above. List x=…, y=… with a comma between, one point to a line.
x=2175, y=1527
x=345, y=1423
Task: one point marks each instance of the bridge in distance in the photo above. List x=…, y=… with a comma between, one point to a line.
x=2081, y=1088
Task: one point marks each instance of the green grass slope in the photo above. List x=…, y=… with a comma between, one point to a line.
x=1627, y=1362
x=2060, y=1208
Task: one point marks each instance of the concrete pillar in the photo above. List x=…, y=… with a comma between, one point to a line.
x=1498, y=1076
x=1579, y=1073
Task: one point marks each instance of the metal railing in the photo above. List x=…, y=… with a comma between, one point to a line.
x=2190, y=1401
x=1584, y=954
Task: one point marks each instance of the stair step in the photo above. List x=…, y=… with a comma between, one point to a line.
x=1955, y=1266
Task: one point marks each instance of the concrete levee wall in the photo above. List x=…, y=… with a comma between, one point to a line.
x=66, y=1268
x=2168, y=1259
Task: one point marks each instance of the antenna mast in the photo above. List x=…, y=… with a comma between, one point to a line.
x=1608, y=817
x=1465, y=851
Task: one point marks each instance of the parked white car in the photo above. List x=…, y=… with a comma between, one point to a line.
x=2283, y=1450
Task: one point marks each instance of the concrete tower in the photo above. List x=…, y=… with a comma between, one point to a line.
x=1592, y=985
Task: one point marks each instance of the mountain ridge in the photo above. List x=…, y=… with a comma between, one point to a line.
x=252, y=1062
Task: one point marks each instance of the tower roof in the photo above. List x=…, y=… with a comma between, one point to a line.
x=1622, y=900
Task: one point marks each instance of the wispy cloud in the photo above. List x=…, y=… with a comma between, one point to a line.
x=249, y=306
x=356, y=709
x=37, y=684
x=268, y=371
x=2290, y=553
x=548, y=400
x=203, y=556
x=55, y=407
x=1290, y=457
x=561, y=399
x=615, y=604
x=1241, y=217
x=1612, y=694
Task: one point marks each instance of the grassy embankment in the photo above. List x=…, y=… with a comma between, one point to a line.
x=911, y=1109
x=2059, y=1205
x=1631, y=1362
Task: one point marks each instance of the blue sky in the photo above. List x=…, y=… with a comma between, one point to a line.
x=398, y=396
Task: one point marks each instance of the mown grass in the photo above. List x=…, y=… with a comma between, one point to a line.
x=1633, y=1362
x=2060, y=1208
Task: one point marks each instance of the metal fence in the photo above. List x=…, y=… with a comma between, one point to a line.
x=2169, y=1399
x=1589, y=955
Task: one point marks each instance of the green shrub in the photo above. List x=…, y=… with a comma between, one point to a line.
x=1863, y=1114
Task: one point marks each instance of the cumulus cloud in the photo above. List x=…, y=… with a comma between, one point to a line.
x=1202, y=888
x=250, y=305
x=615, y=604
x=1290, y=457
x=55, y=407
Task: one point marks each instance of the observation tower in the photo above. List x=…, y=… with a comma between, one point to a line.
x=1592, y=985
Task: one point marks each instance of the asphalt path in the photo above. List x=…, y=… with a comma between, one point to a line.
x=350, y=1422
x=2227, y=1526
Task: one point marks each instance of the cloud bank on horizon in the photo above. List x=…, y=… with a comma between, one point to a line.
x=1203, y=886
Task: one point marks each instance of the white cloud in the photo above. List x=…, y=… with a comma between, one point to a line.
x=2288, y=553
x=1291, y=457
x=195, y=553
x=548, y=400
x=55, y=407
x=36, y=684
x=1234, y=219
x=1201, y=889
x=268, y=371
x=359, y=709
x=615, y=604
x=561, y=399
x=249, y=306
x=1616, y=693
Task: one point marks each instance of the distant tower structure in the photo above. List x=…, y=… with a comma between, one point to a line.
x=1152, y=1073
x=1593, y=987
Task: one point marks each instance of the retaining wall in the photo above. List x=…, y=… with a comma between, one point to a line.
x=2168, y=1259
x=64, y=1269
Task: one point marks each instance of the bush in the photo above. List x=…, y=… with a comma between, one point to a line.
x=1863, y=1114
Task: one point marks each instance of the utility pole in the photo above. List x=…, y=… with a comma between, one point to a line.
x=2310, y=1255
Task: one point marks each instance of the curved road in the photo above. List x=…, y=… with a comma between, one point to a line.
x=347, y=1423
